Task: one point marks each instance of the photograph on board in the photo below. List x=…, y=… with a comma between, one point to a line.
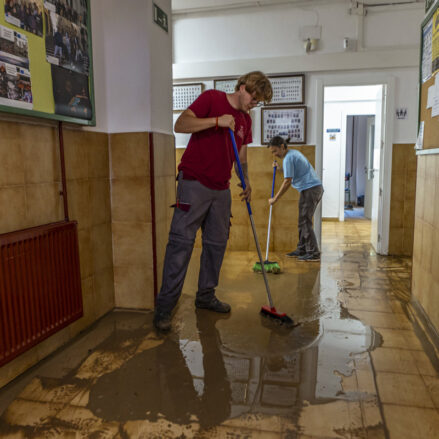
x=66, y=43
x=74, y=11
x=25, y=14
x=13, y=47
x=15, y=86
x=70, y=93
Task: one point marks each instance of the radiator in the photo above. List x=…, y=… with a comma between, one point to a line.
x=40, y=285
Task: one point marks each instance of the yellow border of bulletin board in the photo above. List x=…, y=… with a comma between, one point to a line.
x=429, y=80
x=41, y=74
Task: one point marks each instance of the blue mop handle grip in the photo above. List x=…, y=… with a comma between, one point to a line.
x=241, y=174
x=274, y=179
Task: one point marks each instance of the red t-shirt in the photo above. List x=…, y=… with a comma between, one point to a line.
x=209, y=154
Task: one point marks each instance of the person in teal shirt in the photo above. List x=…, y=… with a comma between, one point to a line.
x=299, y=174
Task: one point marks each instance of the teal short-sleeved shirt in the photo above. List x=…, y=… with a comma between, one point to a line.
x=297, y=167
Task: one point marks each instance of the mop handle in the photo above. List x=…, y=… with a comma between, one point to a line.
x=271, y=209
x=258, y=248
x=238, y=162
x=274, y=179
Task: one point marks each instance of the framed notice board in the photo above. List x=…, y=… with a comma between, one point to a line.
x=46, y=61
x=288, y=90
x=225, y=85
x=285, y=122
x=184, y=94
x=428, y=131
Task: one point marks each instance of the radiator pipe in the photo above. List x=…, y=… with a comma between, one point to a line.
x=63, y=171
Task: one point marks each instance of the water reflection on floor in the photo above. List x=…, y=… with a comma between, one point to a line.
x=241, y=375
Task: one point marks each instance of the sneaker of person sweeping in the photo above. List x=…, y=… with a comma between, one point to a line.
x=299, y=174
x=203, y=193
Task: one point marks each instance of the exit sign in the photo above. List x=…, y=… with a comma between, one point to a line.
x=160, y=17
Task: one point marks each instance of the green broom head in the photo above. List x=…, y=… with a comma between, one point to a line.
x=270, y=267
x=257, y=267
x=274, y=267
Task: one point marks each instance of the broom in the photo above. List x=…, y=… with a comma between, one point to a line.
x=267, y=311
x=270, y=266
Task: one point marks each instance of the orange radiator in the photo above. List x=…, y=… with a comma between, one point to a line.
x=40, y=285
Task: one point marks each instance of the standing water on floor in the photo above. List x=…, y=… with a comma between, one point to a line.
x=220, y=376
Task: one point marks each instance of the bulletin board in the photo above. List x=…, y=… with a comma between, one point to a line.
x=184, y=94
x=46, y=61
x=285, y=122
x=428, y=131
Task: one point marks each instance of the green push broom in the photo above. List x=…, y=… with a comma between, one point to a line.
x=270, y=266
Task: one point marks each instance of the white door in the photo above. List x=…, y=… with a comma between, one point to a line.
x=378, y=151
x=368, y=169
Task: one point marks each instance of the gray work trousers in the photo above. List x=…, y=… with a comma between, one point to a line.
x=308, y=201
x=198, y=206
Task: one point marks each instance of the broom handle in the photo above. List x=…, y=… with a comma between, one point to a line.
x=258, y=248
x=269, y=217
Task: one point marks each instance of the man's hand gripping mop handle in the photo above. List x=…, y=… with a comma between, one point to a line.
x=258, y=248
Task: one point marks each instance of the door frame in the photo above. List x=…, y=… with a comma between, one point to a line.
x=385, y=177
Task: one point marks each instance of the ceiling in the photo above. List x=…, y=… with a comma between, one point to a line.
x=192, y=6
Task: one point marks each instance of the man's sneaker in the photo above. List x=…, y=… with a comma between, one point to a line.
x=162, y=321
x=309, y=258
x=214, y=305
x=295, y=254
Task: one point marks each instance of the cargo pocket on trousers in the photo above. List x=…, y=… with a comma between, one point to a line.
x=182, y=206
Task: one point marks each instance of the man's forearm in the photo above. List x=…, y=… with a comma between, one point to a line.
x=189, y=124
x=244, y=167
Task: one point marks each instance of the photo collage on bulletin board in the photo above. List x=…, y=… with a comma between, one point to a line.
x=45, y=61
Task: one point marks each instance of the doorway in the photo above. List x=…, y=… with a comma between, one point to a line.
x=353, y=132
x=359, y=172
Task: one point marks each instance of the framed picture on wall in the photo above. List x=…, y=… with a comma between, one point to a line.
x=184, y=94
x=288, y=90
x=285, y=122
x=225, y=85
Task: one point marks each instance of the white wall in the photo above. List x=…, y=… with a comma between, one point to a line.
x=273, y=31
x=132, y=67
x=230, y=43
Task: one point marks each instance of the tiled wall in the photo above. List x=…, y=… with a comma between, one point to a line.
x=425, y=274
x=29, y=196
x=402, y=204
x=164, y=185
x=132, y=220
x=132, y=213
x=284, y=232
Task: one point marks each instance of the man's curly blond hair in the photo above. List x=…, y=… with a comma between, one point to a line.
x=257, y=84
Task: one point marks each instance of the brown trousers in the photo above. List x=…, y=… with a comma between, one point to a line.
x=308, y=202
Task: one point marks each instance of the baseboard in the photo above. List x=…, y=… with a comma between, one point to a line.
x=334, y=220
x=426, y=332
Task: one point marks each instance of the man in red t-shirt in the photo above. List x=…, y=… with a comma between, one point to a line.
x=203, y=194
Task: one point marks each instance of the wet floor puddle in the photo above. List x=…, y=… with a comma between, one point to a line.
x=237, y=376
